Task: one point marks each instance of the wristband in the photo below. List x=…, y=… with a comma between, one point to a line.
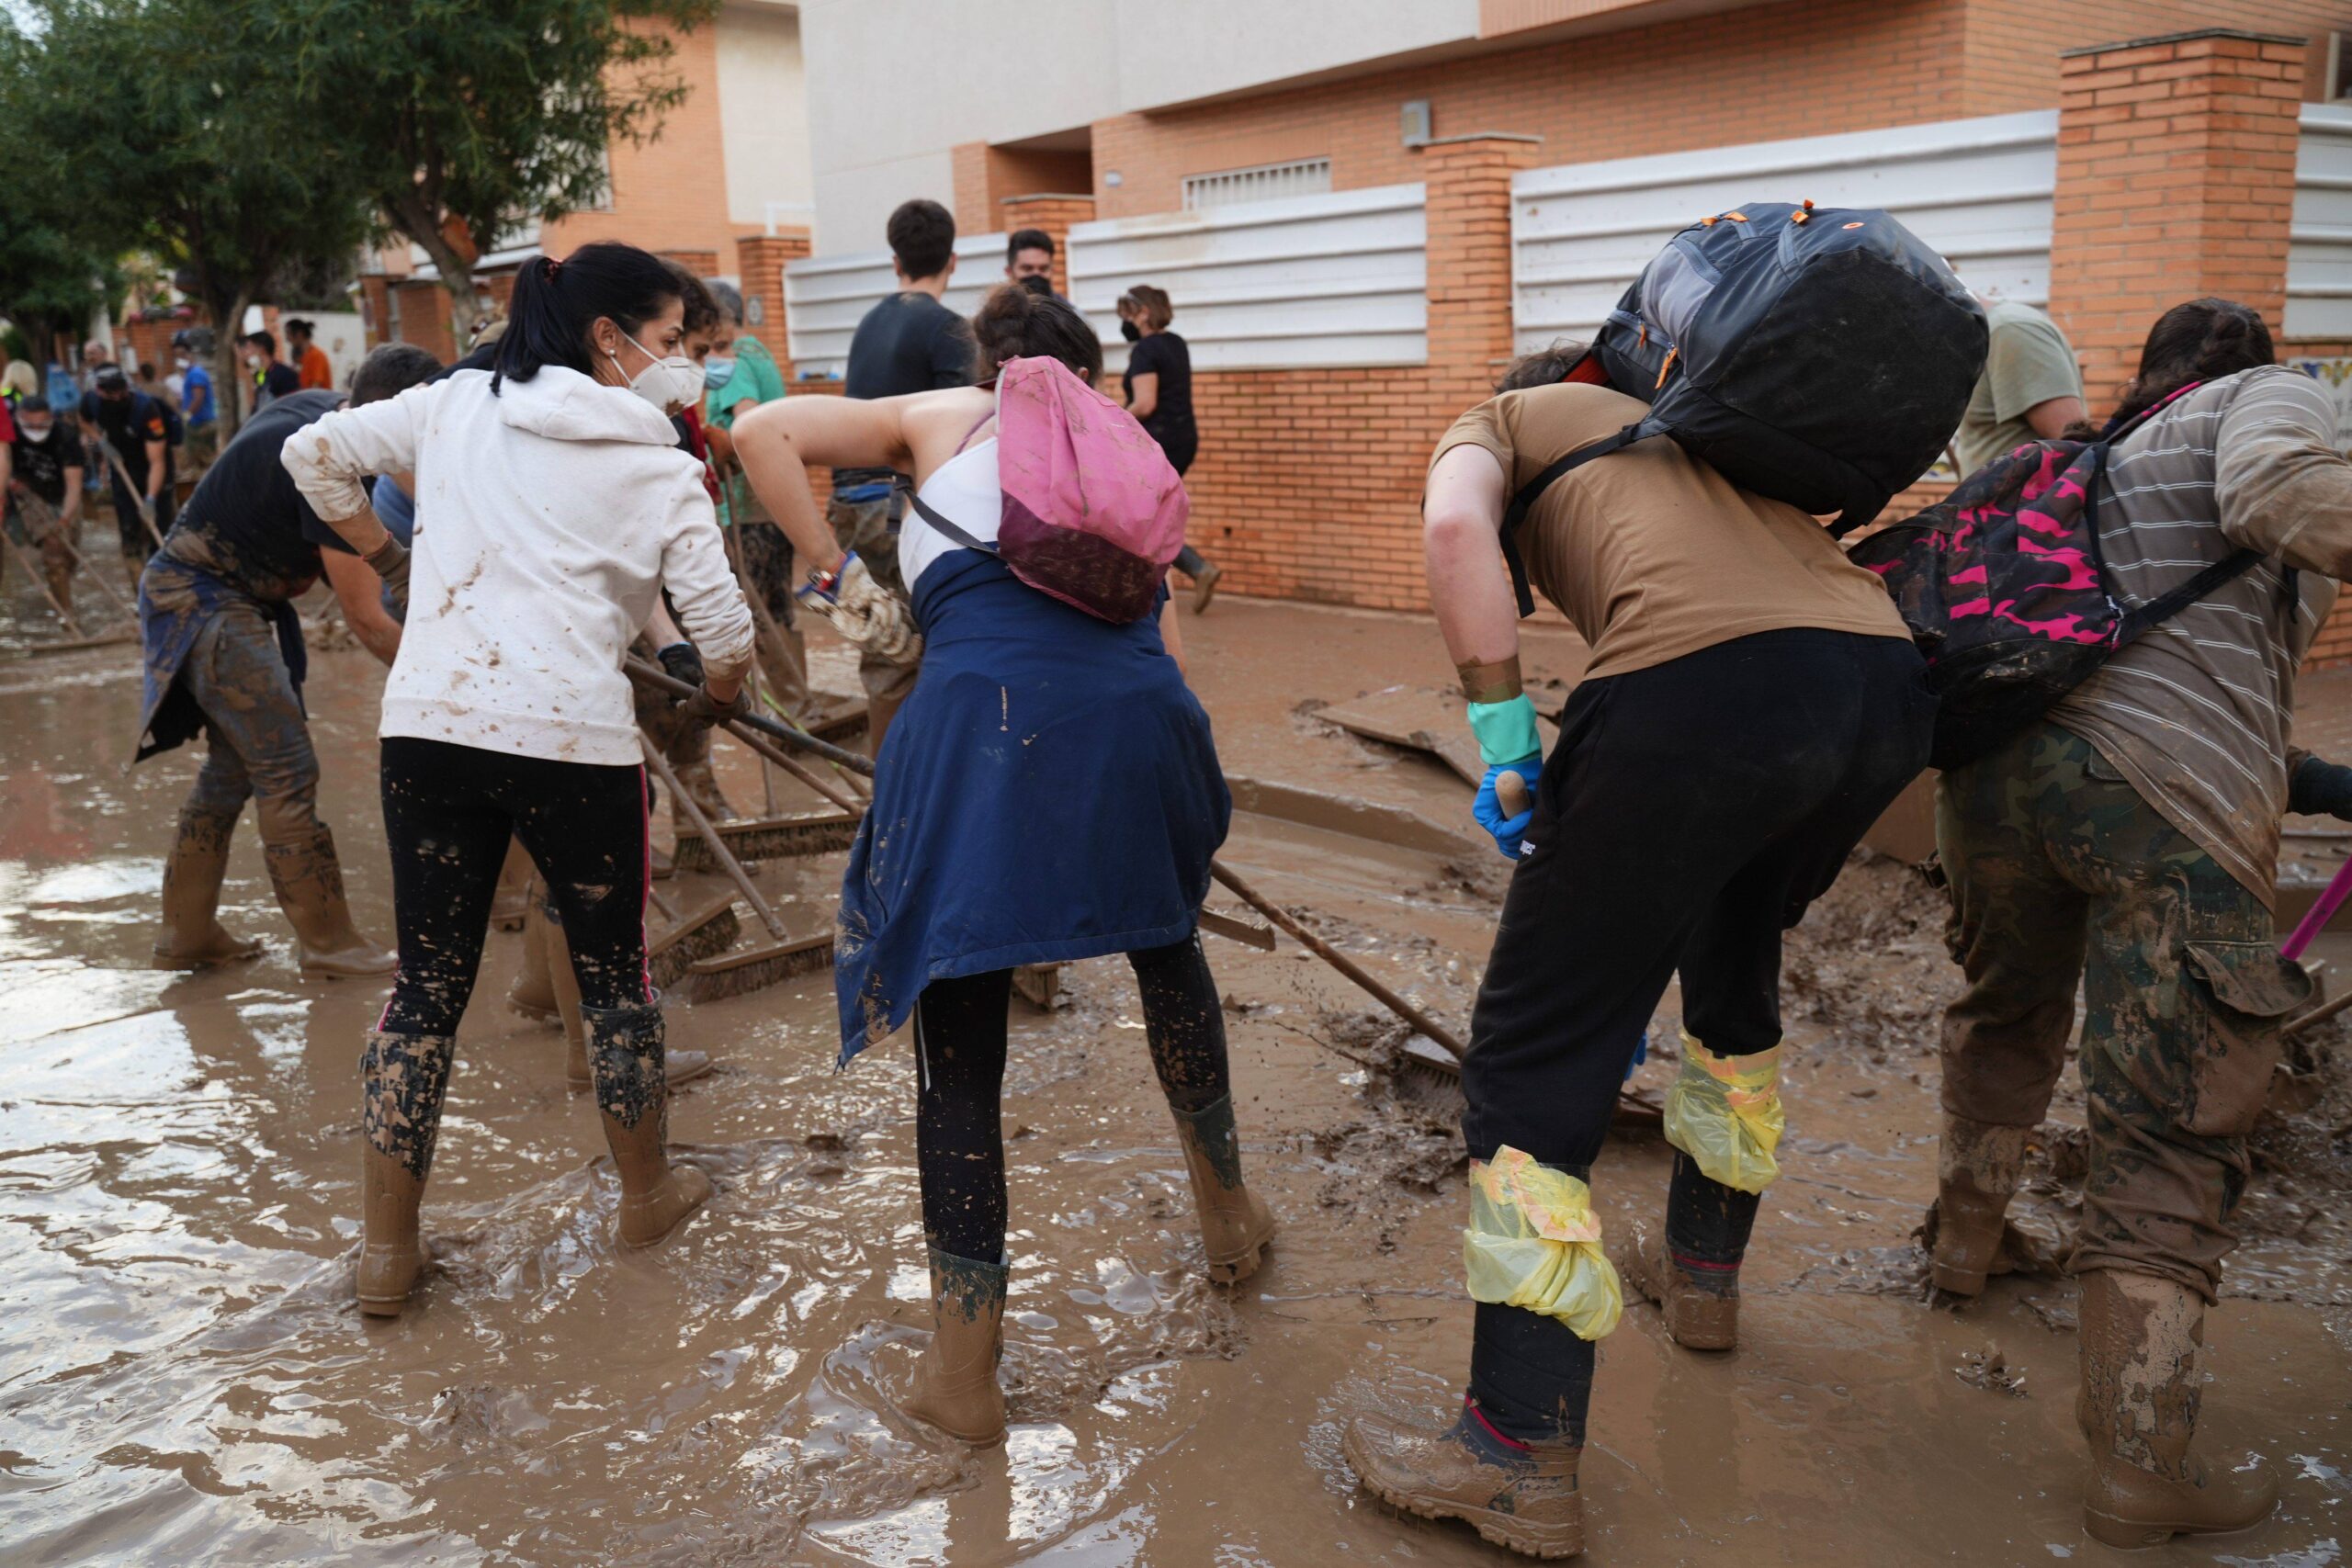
x=1506, y=730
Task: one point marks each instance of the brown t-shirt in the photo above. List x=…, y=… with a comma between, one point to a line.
x=1651, y=553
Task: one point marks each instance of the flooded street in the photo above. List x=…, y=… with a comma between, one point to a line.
x=186, y=1378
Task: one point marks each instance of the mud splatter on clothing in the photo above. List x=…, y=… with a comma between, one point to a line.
x=626, y=1048
x=404, y=1078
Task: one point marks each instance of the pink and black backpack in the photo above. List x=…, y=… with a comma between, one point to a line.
x=2003, y=588
x=1093, y=511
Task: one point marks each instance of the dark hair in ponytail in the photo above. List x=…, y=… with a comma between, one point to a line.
x=1014, y=323
x=556, y=302
x=2203, y=340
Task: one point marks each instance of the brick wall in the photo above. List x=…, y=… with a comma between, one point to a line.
x=670, y=192
x=760, y=259
x=986, y=177
x=1053, y=215
x=2176, y=178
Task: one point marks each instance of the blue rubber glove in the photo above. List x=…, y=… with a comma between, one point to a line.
x=1508, y=830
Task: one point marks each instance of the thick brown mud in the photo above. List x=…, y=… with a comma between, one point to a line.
x=185, y=1378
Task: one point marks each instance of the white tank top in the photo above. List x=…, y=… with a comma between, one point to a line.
x=964, y=491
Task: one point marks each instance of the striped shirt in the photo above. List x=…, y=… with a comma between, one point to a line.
x=2197, y=713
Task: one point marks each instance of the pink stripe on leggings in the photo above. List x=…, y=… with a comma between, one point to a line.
x=645, y=888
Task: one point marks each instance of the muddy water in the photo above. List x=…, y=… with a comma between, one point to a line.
x=182, y=1377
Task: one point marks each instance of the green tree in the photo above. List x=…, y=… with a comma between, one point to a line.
x=178, y=123
x=474, y=118
x=55, y=273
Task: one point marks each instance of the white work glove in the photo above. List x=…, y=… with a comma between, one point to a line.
x=864, y=611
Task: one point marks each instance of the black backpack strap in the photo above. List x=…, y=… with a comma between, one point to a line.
x=2163, y=607
x=1532, y=490
x=924, y=509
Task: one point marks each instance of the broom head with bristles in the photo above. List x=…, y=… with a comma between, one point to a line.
x=750, y=969
x=706, y=934
x=770, y=837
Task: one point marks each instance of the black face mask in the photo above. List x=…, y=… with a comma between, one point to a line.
x=1129, y=331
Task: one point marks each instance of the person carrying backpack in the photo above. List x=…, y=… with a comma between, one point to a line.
x=1753, y=703
x=2127, y=842
x=1050, y=792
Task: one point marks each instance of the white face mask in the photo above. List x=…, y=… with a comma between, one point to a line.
x=668, y=384
x=34, y=431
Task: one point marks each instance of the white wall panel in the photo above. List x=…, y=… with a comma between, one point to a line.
x=1317, y=280
x=825, y=296
x=2319, y=252
x=1979, y=190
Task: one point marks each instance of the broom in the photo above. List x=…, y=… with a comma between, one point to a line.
x=771, y=838
x=752, y=969
x=655, y=680
x=685, y=943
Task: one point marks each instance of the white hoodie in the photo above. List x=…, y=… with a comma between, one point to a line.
x=548, y=518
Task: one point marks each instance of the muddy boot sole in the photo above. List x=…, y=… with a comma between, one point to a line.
x=1510, y=1531
x=1240, y=1265
x=2137, y=1535
x=238, y=950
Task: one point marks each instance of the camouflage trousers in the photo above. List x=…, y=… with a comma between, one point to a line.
x=869, y=529
x=2062, y=875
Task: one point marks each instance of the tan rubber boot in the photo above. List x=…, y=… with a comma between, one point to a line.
x=563, y=981
x=1529, y=1501
x=955, y=1386
x=2141, y=1392
x=627, y=1046
x=533, y=994
x=58, y=568
x=1977, y=1170
x=511, y=903
x=1235, y=1224
x=308, y=880
x=1696, y=1318
x=1204, y=588
x=191, y=937
x=402, y=1080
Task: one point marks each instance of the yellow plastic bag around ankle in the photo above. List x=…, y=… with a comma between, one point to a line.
x=1534, y=1242
x=1728, y=1118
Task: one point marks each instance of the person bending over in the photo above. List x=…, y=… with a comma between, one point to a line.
x=2127, y=845
x=1753, y=703
x=224, y=657
x=1091, y=836
x=553, y=507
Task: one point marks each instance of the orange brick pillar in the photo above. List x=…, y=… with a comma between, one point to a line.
x=2175, y=179
x=1053, y=215
x=761, y=258
x=1468, y=180
x=702, y=263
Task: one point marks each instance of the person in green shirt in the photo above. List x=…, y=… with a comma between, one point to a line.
x=743, y=377
x=2031, y=388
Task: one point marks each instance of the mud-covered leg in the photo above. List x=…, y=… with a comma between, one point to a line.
x=191, y=936
x=1184, y=1021
x=404, y=1079
x=626, y=1048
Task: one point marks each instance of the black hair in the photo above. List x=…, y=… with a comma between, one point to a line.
x=556, y=302
x=266, y=342
x=702, y=310
x=2201, y=339
x=297, y=324
x=1027, y=240
x=388, y=371
x=1543, y=368
x=923, y=236
x=1013, y=321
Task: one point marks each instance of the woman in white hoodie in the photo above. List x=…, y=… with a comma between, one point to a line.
x=552, y=508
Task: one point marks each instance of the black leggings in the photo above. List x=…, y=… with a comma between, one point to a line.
x=960, y=1049
x=1687, y=817
x=449, y=811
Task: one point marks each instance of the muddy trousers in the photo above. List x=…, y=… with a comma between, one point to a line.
x=257, y=741
x=960, y=1051
x=2062, y=875
x=1687, y=816
x=448, y=812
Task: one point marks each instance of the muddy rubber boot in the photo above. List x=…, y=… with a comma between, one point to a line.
x=701, y=785
x=1204, y=587
x=191, y=937
x=563, y=982
x=2140, y=1391
x=1702, y=1312
x=955, y=1386
x=58, y=568
x=308, y=880
x=510, y=908
x=626, y=1044
x=533, y=994
x=1235, y=1224
x=402, y=1080
x=1977, y=1170
x=1522, y=1496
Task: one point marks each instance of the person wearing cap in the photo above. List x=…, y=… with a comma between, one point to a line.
x=133, y=438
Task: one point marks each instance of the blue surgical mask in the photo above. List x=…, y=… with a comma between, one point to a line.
x=717, y=369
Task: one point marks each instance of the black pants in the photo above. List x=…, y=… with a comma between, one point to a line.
x=448, y=813
x=1687, y=816
x=1182, y=447
x=138, y=544
x=960, y=1041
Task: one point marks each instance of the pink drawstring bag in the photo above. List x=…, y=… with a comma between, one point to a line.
x=1093, y=511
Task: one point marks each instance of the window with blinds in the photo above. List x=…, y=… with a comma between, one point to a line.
x=1267, y=182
